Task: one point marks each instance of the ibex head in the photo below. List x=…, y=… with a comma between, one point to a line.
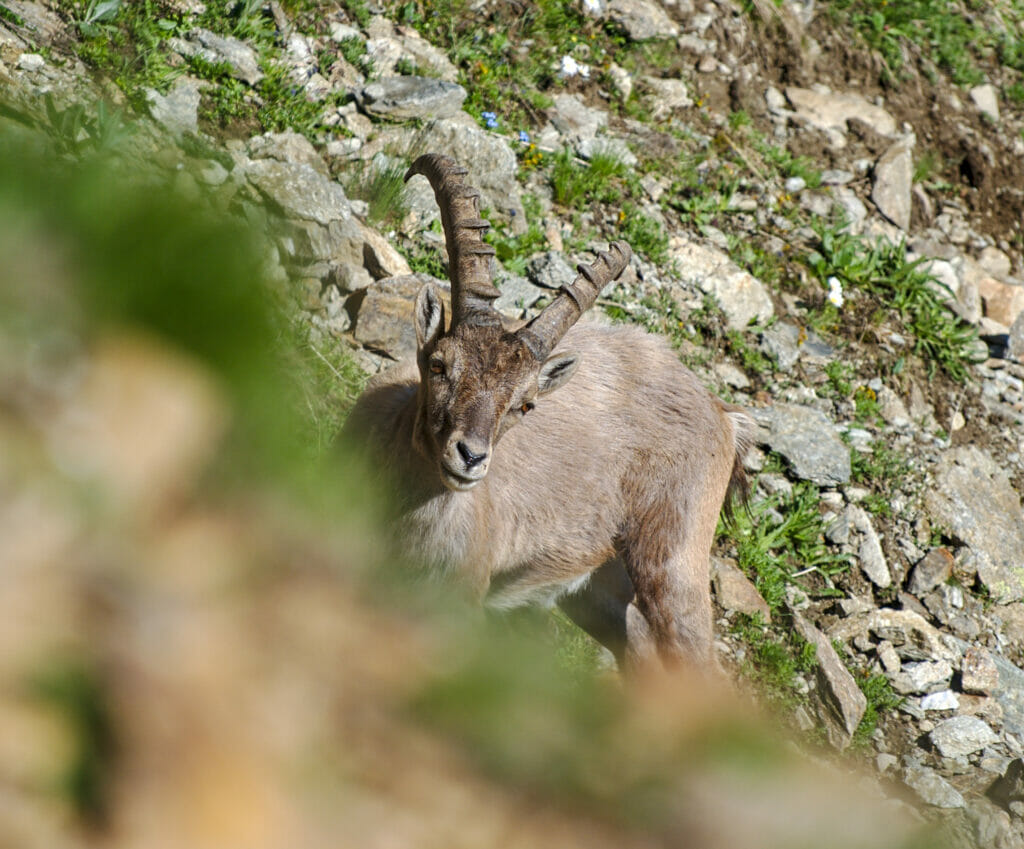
x=478, y=379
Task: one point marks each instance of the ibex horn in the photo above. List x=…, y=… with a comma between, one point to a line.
x=544, y=332
x=469, y=256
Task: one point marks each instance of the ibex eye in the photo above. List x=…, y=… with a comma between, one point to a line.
x=436, y=367
x=526, y=407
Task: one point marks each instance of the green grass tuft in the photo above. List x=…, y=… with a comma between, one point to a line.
x=881, y=269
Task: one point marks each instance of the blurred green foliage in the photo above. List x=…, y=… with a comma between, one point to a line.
x=134, y=255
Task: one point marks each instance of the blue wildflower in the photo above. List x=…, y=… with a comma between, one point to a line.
x=490, y=119
x=524, y=137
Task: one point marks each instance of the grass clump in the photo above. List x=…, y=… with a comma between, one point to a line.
x=509, y=55
x=881, y=269
x=77, y=131
x=840, y=377
x=577, y=185
x=774, y=660
x=353, y=50
x=949, y=35
x=780, y=539
x=125, y=42
x=70, y=687
x=880, y=469
x=644, y=234
x=881, y=699
x=513, y=251
x=381, y=183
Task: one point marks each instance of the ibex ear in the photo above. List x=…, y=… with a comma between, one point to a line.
x=555, y=372
x=429, y=316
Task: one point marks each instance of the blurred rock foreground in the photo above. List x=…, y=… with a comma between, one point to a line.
x=200, y=642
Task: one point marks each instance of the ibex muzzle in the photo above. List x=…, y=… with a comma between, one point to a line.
x=591, y=475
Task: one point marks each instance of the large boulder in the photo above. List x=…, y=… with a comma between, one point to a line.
x=973, y=497
x=407, y=97
x=741, y=296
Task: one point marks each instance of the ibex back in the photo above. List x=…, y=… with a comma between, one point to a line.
x=548, y=462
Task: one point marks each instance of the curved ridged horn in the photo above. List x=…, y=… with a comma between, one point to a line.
x=469, y=256
x=546, y=330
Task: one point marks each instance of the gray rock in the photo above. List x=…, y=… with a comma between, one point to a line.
x=827, y=110
x=961, y=735
x=288, y=146
x=424, y=55
x=909, y=632
x=974, y=498
x=894, y=173
x=742, y=297
x=299, y=191
x=884, y=762
x=621, y=80
x=838, y=530
x=888, y=657
x=986, y=98
x=892, y=408
x=45, y=26
x=978, y=672
x=550, y=270
x=808, y=441
x=816, y=203
x=836, y=177
x=178, y=110
x=734, y=591
x=922, y=678
x=384, y=321
x=932, y=788
x=781, y=342
x=403, y=98
x=491, y=162
x=212, y=173
x=731, y=375
x=31, y=62
x=995, y=262
x=1015, y=344
x=517, y=295
x=219, y=49
x=641, y=19
x=574, y=119
x=841, y=704
x=339, y=246
x=607, y=146
x=1010, y=786
x=935, y=569
x=942, y=700
x=666, y=95
x=869, y=554
x=853, y=207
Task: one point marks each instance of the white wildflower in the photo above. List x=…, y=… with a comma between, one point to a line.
x=835, y=291
x=571, y=68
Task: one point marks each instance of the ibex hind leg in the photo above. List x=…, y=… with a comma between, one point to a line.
x=668, y=567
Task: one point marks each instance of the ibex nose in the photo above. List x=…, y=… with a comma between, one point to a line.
x=468, y=456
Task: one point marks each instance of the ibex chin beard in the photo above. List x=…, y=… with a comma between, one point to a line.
x=457, y=481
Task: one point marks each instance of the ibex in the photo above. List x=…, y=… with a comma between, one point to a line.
x=547, y=462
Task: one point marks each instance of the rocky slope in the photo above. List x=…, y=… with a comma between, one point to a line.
x=830, y=239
